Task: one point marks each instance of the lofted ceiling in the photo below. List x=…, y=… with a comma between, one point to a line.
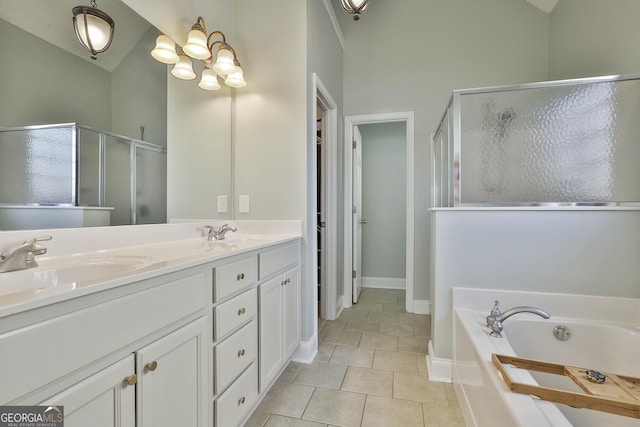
x=544, y=5
x=52, y=21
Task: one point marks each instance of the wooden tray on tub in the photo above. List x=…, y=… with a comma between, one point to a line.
x=618, y=394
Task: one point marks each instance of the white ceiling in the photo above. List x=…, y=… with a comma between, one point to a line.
x=544, y=5
x=51, y=20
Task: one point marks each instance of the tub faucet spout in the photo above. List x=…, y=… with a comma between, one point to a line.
x=495, y=319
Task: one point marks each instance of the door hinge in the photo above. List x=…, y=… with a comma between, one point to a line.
x=354, y=144
x=353, y=274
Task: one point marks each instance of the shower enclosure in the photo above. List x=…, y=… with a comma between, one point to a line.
x=571, y=142
x=73, y=165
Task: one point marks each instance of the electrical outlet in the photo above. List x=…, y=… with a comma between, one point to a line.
x=223, y=203
x=243, y=204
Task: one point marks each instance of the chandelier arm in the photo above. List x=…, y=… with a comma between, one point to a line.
x=200, y=24
x=215, y=33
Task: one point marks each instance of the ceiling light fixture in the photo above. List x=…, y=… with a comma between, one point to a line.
x=355, y=7
x=218, y=57
x=93, y=27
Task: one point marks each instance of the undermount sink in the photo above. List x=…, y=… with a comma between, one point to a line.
x=56, y=276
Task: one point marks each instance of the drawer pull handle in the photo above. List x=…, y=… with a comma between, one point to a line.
x=240, y=276
x=241, y=353
x=241, y=401
x=131, y=379
x=151, y=366
x=242, y=311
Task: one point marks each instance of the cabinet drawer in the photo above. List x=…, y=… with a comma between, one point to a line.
x=235, y=353
x=233, y=277
x=233, y=313
x=278, y=259
x=234, y=404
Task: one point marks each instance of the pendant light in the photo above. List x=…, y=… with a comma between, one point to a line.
x=93, y=27
x=355, y=7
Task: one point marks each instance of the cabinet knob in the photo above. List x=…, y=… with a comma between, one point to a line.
x=242, y=311
x=241, y=352
x=151, y=366
x=131, y=379
x=241, y=401
x=240, y=276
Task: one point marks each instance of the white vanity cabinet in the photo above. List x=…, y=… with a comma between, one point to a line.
x=131, y=356
x=279, y=292
x=235, y=339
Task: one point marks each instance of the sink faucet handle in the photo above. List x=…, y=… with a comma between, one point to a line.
x=39, y=239
x=496, y=310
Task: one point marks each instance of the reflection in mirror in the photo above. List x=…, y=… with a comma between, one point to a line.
x=116, y=107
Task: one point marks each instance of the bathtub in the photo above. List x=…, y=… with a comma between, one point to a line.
x=605, y=335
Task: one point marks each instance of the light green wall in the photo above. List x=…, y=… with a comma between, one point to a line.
x=384, y=201
x=49, y=85
x=594, y=38
x=410, y=57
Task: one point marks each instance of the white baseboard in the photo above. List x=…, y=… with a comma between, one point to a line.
x=384, y=282
x=421, y=306
x=439, y=370
x=306, y=352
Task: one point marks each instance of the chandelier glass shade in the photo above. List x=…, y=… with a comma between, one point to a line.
x=355, y=7
x=94, y=28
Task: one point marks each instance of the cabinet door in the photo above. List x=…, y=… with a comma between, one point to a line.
x=271, y=355
x=104, y=399
x=173, y=379
x=291, y=311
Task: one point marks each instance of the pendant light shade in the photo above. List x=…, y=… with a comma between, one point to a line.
x=355, y=7
x=224, y=61
x=165, y=50
x=236, y=79
x=183, y=68
x=209, y=80
x=196, y=46
x=93, y=27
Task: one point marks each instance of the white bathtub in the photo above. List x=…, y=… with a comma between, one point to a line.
x=611, y=345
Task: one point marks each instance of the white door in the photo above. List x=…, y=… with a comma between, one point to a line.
x=358, y=220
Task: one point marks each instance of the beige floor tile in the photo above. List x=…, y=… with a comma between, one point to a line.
x=422, y=364
x=385, y=412
x=322, y=375
x=421, y=331
x=368, y=306
x=335, y=407
x=278, y=421
x=397, y=329
x=288, y=399
x=394, y=308
x=257, y=419
x=325, y=350
x=351, y=314
x=451, y=395
x=418, y=388
x=395, y=361
x=368, y=381
x=442, y=416
x=353, y=356
x=384, y=342
x=387, y=299
x=335, y=324
x=414, y=319
x=363, y=325
x=382, y=316
x=399, y=293
x=412, y=345
x=335, y=336
x=290, y=372
x=373, y=292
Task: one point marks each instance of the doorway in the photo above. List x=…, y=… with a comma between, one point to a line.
x=353, y=216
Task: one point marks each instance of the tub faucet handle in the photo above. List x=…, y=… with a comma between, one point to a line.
x=496, y=310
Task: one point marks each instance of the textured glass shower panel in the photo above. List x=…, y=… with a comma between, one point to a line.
x=37, y=166
x=88, y=167
x=574, y=143
x=117, y=176
x=151, y=186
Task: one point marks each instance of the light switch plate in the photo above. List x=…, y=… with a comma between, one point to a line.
x=223, y=203
x=243, y=204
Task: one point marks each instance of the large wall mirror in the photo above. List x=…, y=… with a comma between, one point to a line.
x=47, y=78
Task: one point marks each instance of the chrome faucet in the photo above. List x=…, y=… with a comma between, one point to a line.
x=495, y=319
x=24, y=256
x=219, y=233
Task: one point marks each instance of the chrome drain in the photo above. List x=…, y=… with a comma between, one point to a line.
x=562, y=332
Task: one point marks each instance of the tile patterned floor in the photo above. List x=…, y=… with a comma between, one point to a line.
x=370, y=371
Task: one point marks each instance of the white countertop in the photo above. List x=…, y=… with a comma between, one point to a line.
x=88, y=260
